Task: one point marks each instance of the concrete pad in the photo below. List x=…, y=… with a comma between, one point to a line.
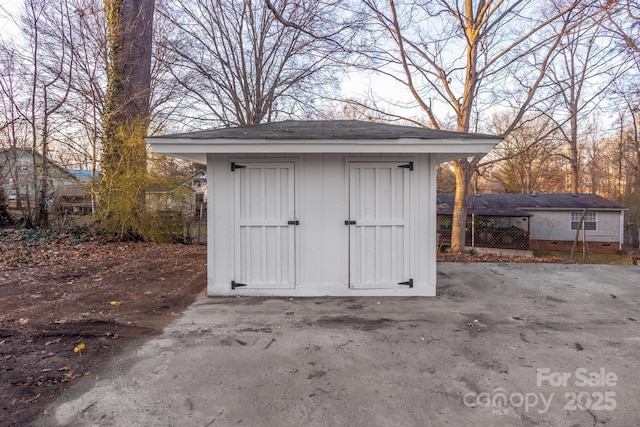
x=502, y=344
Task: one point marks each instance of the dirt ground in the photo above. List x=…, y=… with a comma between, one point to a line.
x=69, y=303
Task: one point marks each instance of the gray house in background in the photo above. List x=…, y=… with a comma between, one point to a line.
x=551, y=221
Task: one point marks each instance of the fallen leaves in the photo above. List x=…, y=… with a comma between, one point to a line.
x=42, y=313
x=465, y=257
x=79, y=348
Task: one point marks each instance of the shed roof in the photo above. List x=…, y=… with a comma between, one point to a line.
x=333, y=136
x=520, y=204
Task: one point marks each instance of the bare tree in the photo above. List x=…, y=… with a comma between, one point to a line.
x=52, y=65
x=88, y=83
x=33, y=104
x=628, y=154
x=81, y=144
x=581, y=75
x=524, y=161
x=78, y=147
x=239, y=65
x=13, y=125
x=623, y=24
x=453, y=57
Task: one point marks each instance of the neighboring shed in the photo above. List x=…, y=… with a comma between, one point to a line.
x=184, y=198
x=177, y=199
x=555, y=218
x=75, y=199
x=304, y=208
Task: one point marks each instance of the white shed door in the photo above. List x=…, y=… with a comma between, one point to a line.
x=265, y=226
x=379, y=251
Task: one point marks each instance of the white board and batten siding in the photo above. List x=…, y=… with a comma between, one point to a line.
x=389, y=237
x=380, y=226
x=264, y=236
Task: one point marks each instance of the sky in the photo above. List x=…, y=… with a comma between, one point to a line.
x=355, y=84
x=8, y=8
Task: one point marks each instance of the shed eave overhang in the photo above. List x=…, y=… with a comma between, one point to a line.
x=446, y=149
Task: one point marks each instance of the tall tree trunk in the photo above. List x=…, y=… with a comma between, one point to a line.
x=573, y=150
x=126, y=113
x=463, y=171
x=42, y=213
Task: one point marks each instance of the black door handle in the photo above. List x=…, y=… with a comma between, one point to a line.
x=296, y=222
x=347, y=222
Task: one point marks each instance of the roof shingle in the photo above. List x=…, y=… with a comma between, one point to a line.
x=517, y=204
x=325, y=130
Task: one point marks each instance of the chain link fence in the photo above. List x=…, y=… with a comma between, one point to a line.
x=581, y=232
x=491, y=232
x=195, y=227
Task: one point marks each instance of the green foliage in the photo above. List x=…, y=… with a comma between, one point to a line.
x=122, y=208
x=163, y=227
x=123, y=180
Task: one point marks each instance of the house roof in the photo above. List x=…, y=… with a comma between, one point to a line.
x=484, y=206
x=14, y=153
x=334, y=136
x=81, y=174
x=521, y=204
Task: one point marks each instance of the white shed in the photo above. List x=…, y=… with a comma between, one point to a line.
x=310, y=208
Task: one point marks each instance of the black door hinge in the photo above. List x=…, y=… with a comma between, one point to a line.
x=347, y=222
x=407, y=166
x=235, y=166
x=407, y=283
x=296, y=222
x=237, y=285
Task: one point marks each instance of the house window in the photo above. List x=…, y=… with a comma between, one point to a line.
x=590, y=220
x=23, y=165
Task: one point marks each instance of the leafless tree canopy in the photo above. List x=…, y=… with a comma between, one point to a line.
x=239, y=65
x=558, y=78
x=454, y=56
